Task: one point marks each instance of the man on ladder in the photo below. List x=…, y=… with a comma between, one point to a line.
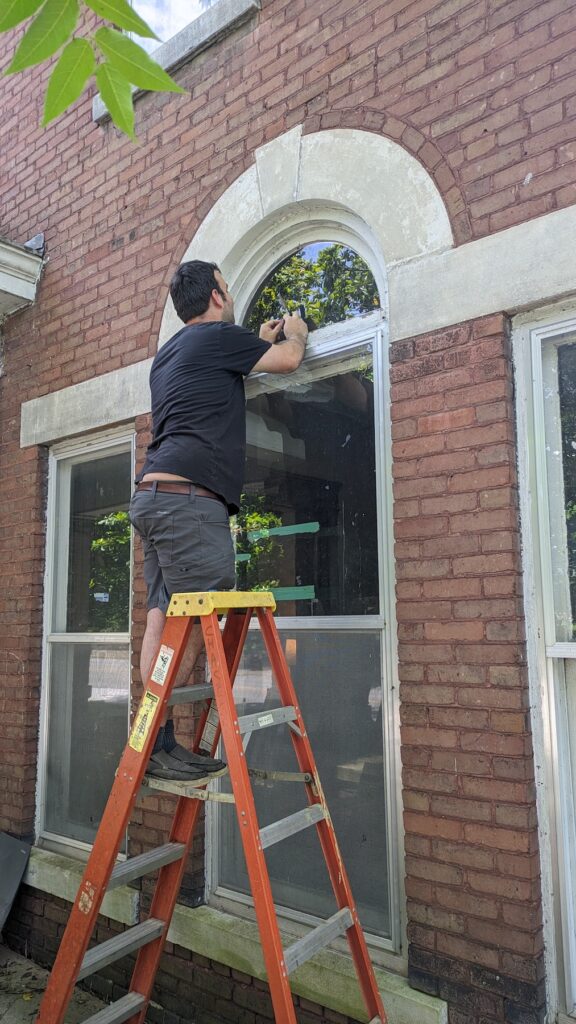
x=193, y=473
x=192, y=478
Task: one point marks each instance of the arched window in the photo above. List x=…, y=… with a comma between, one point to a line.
x=309, y=529
x=330, y=280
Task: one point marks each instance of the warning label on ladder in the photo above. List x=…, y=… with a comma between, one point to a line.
x=143, y=720
x=165, y=655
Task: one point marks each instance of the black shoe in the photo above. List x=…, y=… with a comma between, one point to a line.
x=200, y=761
x=163, y=766
x=167, y=740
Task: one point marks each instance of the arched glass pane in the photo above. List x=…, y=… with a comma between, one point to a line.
x=330, y=280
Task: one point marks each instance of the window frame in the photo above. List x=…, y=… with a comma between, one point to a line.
x=533, y=342
x=80, y=450
x=328, y=345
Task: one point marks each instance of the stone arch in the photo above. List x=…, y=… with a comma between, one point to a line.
x=416, y=143
x=341, y=184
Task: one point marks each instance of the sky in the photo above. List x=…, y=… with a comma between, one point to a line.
x=167, y=17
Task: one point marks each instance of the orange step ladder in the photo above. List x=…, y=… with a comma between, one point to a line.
x=223, y=648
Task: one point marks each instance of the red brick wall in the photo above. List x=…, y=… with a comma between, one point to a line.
x=482, y=91
x=189, y=987
x=472, y=868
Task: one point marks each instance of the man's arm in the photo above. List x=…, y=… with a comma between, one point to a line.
x=283, y=356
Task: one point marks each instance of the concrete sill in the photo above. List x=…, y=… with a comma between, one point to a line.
x=329, y=979
x=201, y=33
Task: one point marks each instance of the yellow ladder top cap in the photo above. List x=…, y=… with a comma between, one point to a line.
x=208, y=601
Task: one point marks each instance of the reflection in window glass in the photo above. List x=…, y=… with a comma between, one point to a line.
x=88, y=715
x=331, y=282
x=307, y=526
x=167, y=17
x=88, y=682
x=99, y=546
x=337, y=676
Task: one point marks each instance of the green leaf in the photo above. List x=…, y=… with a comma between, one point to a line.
x=121, y=13
x=68, y=78
x=46, y=34
x=116, y=92
x=133, y=62
x=16, y=11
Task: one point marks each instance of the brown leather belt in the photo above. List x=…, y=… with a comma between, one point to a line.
x=177, y=487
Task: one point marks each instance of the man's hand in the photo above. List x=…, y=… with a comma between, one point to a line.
x=295, y=328
x=286, y=356
x=270, y=330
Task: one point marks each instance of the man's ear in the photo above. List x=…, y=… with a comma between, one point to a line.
x=217, y=298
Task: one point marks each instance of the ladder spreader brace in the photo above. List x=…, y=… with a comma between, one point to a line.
x=223, y=649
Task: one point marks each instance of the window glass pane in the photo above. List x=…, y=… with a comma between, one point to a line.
x=167, y=17
x=98, y=581
x=307, y=527
x=559, y=371
x=337, y=676
x=87, y=723
x=330, y=280
x=567, y=389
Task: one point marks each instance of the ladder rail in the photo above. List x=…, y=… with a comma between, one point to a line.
x=248, y=823
x=327, y=837
x=111, y=832
x=183, y=830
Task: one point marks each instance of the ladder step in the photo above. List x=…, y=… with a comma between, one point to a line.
x=119, y=1011
x=114, y=949
x=191, y=694
x=317, y=939
x=279, y=830
x=188, y=789
x=277, y=716
x=145, y=863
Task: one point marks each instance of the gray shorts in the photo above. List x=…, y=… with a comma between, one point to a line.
x=187, y=544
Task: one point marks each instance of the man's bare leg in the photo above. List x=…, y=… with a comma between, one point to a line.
x=150, y=644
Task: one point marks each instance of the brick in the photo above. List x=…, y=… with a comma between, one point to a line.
x=439, y=782
x=489, y=697
x=422, y=526
x=452, y=588
x=424, y=824
x=459, y=631
x=468, y=903
x=506, y=937
x=461, y=948
x=445, y=421
x=497, y=838
x=468, y=810
x=427, y=737
x=457, y=762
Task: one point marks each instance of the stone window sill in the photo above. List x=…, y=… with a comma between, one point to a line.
x=201, y=33
x=329, y=979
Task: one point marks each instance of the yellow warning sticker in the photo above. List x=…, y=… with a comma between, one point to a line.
x=143, y=720
x=165, y=655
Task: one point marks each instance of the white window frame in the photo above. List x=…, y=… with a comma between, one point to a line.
x=536, y=401
x=332, y=342
x=81, y=450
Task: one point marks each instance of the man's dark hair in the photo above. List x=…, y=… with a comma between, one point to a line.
x=191, y=288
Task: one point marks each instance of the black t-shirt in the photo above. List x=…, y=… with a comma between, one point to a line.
x=199, y=407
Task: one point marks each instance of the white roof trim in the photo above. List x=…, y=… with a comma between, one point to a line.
x=19, y=275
